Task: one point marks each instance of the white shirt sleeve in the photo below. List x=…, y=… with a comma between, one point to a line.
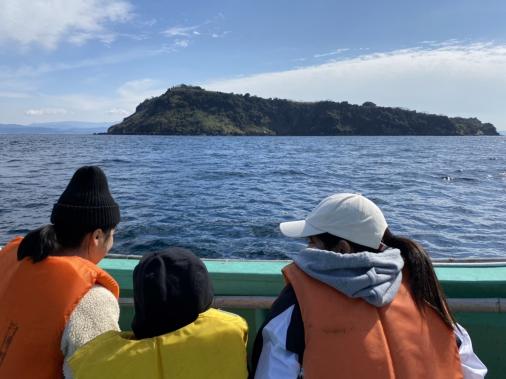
x=275, y=361
x=96, y=313
x=472, y=367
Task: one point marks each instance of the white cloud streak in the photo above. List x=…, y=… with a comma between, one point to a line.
x=48, y=22
x=80, y=106
x=133, y=92
x=46, y=112
x=118, y=112
x=27, y=71
x=183, y=35
x=450, y=78
x=181, y=31
x=335, y=52
x=182, y=43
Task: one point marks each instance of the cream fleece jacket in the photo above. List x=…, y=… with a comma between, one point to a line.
x=96, y=313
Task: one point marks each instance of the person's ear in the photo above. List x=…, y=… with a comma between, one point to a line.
x=97, y=237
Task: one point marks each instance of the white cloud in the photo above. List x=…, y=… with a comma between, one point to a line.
x=48, y=22
x=205, y=29
x=27, y=71
x=80, y=106
x=182, y=43
x=335, y=52
x=81, y=38
x=118, y=111
x=127, y=97
x=150, y=22
x=135, y=91
x=453, y=79
x=46, y=111
x=181, y=31
x=220, y=35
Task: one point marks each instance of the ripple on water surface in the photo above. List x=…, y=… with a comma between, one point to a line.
x=224, y=196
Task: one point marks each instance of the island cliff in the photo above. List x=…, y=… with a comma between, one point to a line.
x=187, y=110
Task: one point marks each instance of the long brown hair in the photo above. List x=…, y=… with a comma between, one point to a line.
x=423, y=282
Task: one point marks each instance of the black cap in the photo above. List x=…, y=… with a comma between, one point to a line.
x=171, y=289
x=86, y=203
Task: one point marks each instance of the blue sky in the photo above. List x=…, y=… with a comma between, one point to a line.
x=95, y=60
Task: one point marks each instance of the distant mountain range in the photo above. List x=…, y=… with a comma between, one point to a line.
x=62, y=127
x=187, y=110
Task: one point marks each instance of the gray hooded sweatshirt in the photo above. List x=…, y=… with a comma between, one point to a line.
x=374, y=277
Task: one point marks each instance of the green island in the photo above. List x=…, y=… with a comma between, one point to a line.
x=190, y=110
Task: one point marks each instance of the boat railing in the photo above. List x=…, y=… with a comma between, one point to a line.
x=435, y=261
x=485, y=305
x=471, y=305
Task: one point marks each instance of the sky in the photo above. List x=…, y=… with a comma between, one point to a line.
x=95, y=60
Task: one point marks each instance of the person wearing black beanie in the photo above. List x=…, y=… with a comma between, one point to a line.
x=171, y=289
x=86, y=204
x=176, y=332
x=55, y=297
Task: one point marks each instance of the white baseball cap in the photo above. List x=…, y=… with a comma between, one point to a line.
x=346, y=215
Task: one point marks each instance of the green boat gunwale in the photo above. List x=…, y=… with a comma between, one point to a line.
x=476, y=291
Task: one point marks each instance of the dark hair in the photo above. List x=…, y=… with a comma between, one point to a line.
x=49, y=239
x=423, y=282
x=330, y=241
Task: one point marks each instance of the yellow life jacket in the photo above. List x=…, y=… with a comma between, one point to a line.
x=212, y=347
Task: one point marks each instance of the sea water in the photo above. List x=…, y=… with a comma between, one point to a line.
x=223, y=197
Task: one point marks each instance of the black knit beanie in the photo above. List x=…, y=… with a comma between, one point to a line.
x=86, y=203
x=171, y=289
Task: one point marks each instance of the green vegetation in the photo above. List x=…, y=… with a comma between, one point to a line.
x=186, y=110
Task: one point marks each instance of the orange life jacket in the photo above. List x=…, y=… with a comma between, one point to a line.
x=36, y=300
x=349, y=338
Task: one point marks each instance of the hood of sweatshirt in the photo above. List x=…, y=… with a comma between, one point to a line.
x=374, y=277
